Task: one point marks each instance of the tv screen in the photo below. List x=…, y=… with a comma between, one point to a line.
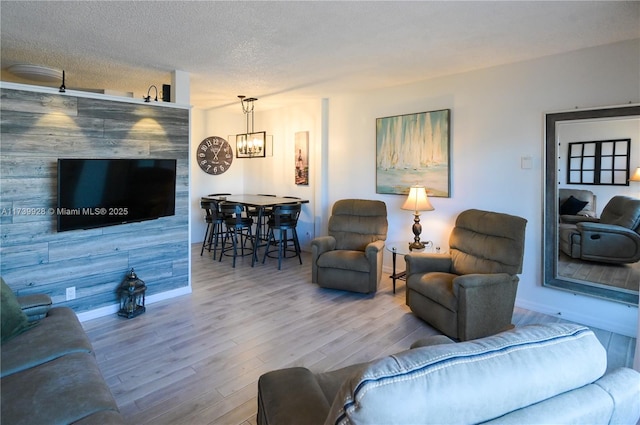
x=104, y=192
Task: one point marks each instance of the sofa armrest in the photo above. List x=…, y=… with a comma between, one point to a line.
x=35, y=306
x=425, y=263
x=609, y=243
x=573, y=219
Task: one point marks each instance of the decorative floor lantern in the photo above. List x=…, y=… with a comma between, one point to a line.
x=131, y=293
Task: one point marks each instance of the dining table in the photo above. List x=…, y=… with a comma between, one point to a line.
x=261, y=203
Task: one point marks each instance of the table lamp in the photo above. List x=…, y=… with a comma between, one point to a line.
x=636, y=176
x=417, y=201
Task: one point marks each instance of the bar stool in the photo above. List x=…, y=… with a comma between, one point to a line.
x=214, y=220
x=238, y=228
x=284, y=218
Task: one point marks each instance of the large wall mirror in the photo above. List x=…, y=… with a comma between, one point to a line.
x=590, y=156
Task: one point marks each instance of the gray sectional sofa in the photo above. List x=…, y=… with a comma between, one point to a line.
x=49, y=374
x=538, y=374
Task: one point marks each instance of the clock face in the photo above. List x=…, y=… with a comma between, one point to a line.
x=214, y=155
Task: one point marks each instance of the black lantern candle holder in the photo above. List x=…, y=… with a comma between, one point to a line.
x=131, y=293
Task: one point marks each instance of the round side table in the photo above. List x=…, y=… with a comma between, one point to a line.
x=402, y=248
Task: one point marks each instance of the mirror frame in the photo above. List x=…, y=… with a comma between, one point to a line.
x=550, y=219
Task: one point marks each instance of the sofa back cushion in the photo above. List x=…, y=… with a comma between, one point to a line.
x=589, y=209
x=487, y=242
x=13, y=321
x=622, y=211
x=355, y=223
x=473, y=381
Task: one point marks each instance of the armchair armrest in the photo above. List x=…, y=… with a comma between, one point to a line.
x=35, y=306
x=319, y=246
x=425, y=263
x=480, y=280
x=485, y=303
x=323, y=244
x=373, y=248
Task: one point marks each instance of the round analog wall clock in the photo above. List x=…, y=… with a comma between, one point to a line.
x=214, y=155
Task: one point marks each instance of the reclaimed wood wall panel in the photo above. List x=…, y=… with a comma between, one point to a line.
x=37, y=129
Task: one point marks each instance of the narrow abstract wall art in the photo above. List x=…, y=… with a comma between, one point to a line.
x=414, y=149
x=302, y=158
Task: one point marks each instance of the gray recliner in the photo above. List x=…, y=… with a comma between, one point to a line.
x=470, y=292
x=350, y=257
x=614, y=238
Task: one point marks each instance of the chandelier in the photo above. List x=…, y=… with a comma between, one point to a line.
x=252, y=143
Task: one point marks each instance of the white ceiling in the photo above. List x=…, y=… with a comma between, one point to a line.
x=283, y=52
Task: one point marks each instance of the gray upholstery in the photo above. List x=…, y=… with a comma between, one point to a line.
x=350, y=257
x=614, y=238
x=589, y=210
x=50, y=375
x=470, y=292
x=535, y=374
x=35, y=306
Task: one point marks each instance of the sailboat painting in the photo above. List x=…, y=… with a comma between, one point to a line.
x=413, y=149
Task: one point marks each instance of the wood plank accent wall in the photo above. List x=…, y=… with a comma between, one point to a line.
x=38, y=128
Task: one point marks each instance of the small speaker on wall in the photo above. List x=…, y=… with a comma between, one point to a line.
x=166, y=93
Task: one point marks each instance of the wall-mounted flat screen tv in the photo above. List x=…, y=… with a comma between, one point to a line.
x=105, y=192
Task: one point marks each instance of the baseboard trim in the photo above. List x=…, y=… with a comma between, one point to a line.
x=113, y=309
x=581, y=318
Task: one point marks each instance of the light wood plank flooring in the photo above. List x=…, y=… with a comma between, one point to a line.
x=623, y=276
x=197, y=358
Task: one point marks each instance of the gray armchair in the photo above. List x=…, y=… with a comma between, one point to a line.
x=350, y=257
x=470, y=292
x=614, y=238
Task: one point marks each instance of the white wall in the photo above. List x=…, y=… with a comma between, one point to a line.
x=497, y=117
x=204, y=124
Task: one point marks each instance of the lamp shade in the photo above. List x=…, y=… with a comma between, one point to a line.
x=636, y=176
x=417, y=200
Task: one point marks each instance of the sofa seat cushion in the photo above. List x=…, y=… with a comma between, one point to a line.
x=62, y=391
x=58, y=334
x=473, y=381
x=438, y=286
x=345, y=260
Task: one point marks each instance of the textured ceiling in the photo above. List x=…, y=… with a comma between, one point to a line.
x=283, y=52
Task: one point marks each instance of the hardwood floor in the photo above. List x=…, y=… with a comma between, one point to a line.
x=197, y=358
x=623, y=276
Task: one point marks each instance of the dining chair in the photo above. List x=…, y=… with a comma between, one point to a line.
x=238, y=229
x=214, y=221
x=284, y=219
